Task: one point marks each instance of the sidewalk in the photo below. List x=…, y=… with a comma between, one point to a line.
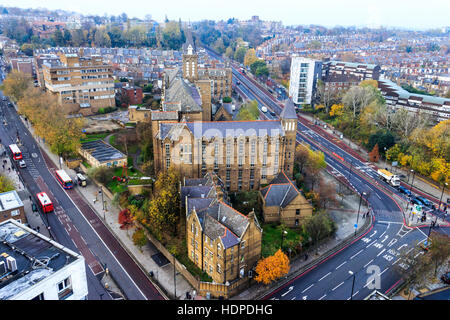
x=163, y=276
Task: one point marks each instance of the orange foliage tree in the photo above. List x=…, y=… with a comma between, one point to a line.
x=374, y=155
x=272, y=267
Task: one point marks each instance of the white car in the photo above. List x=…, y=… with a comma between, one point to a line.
x=264, y=109
x=22, y=164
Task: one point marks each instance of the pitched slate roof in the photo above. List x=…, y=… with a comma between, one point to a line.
x=288, y=110
x=180, y=96
x=280, y=192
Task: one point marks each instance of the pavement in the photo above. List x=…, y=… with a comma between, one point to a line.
x=163, y=275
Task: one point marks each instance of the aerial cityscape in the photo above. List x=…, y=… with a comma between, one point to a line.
x=249, y=155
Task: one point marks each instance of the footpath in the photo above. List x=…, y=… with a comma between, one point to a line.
x=162, y=274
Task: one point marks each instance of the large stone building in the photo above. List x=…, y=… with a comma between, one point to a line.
x=244, y=154
x=221, y=241
x=82, y=84
x=215, y=81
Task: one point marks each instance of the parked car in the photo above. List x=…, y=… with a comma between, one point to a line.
x=404, y=190
x=273, y=114
x=34, y=207
x=446, y=278
x=425, y=201
x=415, y=200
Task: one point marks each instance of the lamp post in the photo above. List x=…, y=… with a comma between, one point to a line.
x=353, y=283
x=283, y=234
x=440, y=200
x=412, y=182
x=359, y=208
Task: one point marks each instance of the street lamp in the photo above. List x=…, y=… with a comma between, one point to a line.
x=359, y=208
x=440, y=200
x=353, y=283
x=283, y=234
x=412, y=182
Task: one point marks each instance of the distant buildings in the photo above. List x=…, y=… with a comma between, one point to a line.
x=352, y=70
x=304, y=75
x=82, y=83
x=131, y=95
x=33, y=267
x=397, y=97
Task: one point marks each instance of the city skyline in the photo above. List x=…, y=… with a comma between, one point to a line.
x=401, y=14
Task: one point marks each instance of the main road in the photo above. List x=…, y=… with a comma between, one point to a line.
x=368, y=259
x=73, y=223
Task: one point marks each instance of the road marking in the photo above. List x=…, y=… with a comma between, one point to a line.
x=373, y=233
x=340, y=284
x=356, y=254
x=382, y=234
x=368, y=263
x=355, y=293
x=381, y=252
x=325, y=276
x=385, y=238
x=341, y=264
x=322, y=297
x=384, y=271
x=392, y=242
x=308, y=288
x=289, y=290
x=370, y=244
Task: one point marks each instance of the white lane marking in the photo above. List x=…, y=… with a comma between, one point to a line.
x=308, y=288
x=340, y=284
x=341, y=264
x=381, y=252
x=356, y=254
x=368, y=263
x=289, y=290
x=322, y=297
x=403, y=245
x=392, y=242
x=373, y=233
x=384, y=271
x=385, y=238
x=355, y=293
x=325, y=276
x=382, y=234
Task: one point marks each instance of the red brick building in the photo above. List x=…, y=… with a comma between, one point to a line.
x=131, y=95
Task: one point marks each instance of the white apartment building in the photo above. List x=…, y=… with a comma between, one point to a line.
x=34, y=267
x=304, y=75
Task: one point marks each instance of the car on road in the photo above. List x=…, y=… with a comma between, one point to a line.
x=273, y=114
x=22, y=164
x=425, y=201
x=34, y=207
x=238, y=82
x=446, y=278
x=415, y=200
x=264, y=109
x=402, y=189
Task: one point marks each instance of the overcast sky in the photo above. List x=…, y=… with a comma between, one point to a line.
x=411, y=14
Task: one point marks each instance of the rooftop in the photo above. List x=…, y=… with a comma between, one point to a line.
x=36, y=258
x=102, y=151
x=10, y=200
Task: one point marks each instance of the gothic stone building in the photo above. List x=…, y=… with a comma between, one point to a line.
x=244, y=154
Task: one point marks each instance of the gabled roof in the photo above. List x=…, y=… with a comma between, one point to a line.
x=280, y=192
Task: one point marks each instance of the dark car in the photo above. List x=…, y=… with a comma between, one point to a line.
x=404, y=190
x=416, y=201
x=446, y=278
x=34, y=207
x=425, y=201
x=273, y=114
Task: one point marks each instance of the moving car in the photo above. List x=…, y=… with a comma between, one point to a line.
x=425, y=201
x=264, y=109
x=22, y=164
x=273, y=114
x=415, y=200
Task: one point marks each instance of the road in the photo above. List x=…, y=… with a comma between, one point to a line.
x=73, y=223
x=371, y=256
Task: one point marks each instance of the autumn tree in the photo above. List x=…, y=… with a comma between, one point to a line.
x=125, y=219
x=374, y=155
x=16, y=84
x=6, y=184
x=439, y=251
x=139, y=238
x=248, y=111
x=319, y=226
x=250, y=57
x=272, y=268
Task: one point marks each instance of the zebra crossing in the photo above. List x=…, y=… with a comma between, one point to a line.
x=31, y=167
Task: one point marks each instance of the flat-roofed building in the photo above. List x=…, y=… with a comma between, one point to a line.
x=82, y=83
x=362, y=71
x=34, y=267
x=11, y=207
x=304, y=75
x=100, y=154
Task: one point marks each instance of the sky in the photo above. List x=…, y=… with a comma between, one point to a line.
x=409, y=14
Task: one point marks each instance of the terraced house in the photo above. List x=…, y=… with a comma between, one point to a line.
x=221, y=241
x=82, y=83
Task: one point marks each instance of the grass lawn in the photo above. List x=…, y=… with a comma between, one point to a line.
x=271, y=240
x=94, y=136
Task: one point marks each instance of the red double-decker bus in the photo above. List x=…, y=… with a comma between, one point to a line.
x=45, y=202
x=16, y=153
x=64, y=179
